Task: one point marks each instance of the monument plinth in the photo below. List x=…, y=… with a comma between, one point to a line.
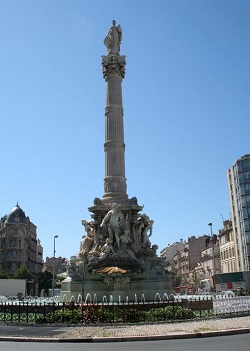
x=116, y=256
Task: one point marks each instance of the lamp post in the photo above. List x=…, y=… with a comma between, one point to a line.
x=54, y=256
x=212, y=246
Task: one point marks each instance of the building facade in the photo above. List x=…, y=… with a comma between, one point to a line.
x=239, y=191
x=168, y=253
x=210, y=262
x=19, y=245
x=186, y=260
x=56, y=264
x=227, y=248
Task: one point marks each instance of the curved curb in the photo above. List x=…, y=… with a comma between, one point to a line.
x=129, y=338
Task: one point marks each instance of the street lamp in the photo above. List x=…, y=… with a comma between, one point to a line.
x=212, y=246
x=54, y=256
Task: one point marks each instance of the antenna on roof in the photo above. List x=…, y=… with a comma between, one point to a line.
x=222, y=218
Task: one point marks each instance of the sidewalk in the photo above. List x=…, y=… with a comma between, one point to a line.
x=118, y=333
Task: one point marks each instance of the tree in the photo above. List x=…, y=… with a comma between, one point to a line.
x=45, y=281
x=23, y=273
x=3, y=275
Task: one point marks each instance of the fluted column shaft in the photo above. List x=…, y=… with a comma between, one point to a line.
x=115, y=186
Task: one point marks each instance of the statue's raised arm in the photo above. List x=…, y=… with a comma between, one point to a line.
x=113, y=39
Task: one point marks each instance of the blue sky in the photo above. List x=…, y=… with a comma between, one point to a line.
x=186, y=99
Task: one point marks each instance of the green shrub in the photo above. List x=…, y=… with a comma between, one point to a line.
x=64, y=315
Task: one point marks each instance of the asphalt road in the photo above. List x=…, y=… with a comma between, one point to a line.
x=32, y=331
x=222, y=343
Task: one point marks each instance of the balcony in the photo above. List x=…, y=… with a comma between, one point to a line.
x=13, y=259
x=206, y=258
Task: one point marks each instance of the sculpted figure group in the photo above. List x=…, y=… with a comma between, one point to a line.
x=114, y=222
x=87, y=241
x=117, y=237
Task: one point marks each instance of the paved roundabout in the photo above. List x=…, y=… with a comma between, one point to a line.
x=128, y=332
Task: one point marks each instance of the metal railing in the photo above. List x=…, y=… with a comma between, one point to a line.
x=114, y=312
x=94, y=313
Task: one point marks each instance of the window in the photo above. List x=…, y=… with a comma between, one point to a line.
x=246, y=212
x=247, y=188
x=13, y=243
x=15, y=231
x=245, y=164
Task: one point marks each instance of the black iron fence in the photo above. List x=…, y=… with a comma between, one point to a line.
x=95, y=313
x=137, y=312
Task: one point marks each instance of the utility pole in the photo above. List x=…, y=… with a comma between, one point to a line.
x=54, y=256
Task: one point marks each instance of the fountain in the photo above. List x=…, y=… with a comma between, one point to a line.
x=73, y=299
x=173, y=297
x=116, y=256
x=142, y=298
x=88, y=298
x=95, y=299
x=165, y=297
x=157, y=295
x=64, y=298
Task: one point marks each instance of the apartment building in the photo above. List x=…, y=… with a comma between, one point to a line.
x=168, y=253
x=239, y=192
x=227, y=248
x=210, y=262
x=59, y=264
x=186, y=261
x=19, y=245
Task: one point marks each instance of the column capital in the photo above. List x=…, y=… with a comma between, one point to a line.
x=113, y=66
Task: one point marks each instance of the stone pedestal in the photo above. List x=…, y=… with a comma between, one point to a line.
x=131, y=287
x=71, y=290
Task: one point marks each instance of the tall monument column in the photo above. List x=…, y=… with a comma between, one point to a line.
x=116, y=256
x=113, y=68
x=115, y=182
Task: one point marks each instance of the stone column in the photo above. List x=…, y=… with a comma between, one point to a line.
x=115, y=188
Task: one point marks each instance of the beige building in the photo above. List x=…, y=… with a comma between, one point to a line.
x=170, y=251
x=210, y=258
x=185, y=261
x=19, y=245
x=60, y=264
x=227, y=248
